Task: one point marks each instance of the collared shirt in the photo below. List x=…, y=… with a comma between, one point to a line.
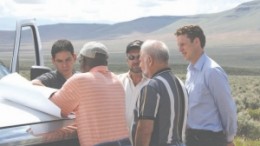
x=211, y=106
x=164, y=101
x=52, y=79
x=132, y=91
x=97, y=98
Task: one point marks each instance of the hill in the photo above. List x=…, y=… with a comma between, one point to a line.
x=98, y=31
x=232, y=36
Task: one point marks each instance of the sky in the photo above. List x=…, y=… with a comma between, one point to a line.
x=103, y=11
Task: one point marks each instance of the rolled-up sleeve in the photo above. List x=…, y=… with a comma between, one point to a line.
x=67, y=98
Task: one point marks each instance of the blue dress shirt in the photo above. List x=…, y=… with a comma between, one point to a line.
x=211, y=106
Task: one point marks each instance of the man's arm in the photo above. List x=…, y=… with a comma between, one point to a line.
x=144, y=132
x=67, y=98
x=221, y=92
x=37, y=82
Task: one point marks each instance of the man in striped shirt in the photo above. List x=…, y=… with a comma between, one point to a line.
x=160, y=114
x=97, y=98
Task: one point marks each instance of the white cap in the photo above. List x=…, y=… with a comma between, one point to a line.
x=91, y=48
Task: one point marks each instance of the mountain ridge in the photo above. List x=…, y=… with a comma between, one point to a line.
x=232, y=35
x=234, y=20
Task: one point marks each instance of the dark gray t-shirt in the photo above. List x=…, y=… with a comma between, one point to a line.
x=52, y=79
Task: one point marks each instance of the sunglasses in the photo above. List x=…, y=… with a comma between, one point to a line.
x=133, y=57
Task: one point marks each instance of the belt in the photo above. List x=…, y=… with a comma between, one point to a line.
x=197, y=131
x=174, y=143
x=178, y=144
x=121, y=142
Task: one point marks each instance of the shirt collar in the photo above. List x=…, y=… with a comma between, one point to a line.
x=160, y=71
x=99, y=69
x=144, y=77
x=60, y=75
x=199, y=64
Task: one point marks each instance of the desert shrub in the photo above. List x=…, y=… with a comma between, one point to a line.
x=247, y=101
x=241, y=141
x=247, y=127
x=254, y=113
x=252, y=102
x=258, y=91
x=240, y=105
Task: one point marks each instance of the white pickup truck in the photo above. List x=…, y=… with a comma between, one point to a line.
x=15, y=130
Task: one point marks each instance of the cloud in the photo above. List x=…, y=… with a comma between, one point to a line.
x=104, y=11
x=29, y=1
x=148, y=3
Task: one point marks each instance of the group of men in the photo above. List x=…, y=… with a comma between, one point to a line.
x=148, y=105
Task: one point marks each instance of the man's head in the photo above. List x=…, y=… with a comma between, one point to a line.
x=91, y=55
x=192, y=32
x=191, y=41
x=63, y=57
x=133, y=54
x=154, y=56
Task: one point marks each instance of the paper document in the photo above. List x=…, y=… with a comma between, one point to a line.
x=18, y=89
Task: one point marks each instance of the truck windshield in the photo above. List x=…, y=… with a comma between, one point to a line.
x=3, y=70
x=6, y=47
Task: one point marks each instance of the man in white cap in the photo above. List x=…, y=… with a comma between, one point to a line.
x=97, y=98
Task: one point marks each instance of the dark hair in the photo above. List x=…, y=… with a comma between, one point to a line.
x=134, y=45
x=99, y=60
x=61, y=45
x=192, y=32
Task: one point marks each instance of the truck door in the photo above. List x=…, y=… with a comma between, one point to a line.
x=27, y=57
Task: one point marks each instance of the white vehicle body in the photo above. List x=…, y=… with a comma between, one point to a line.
x=17, y=120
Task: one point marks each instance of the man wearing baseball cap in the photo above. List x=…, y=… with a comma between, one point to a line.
x=133, y=80
x=97, y=98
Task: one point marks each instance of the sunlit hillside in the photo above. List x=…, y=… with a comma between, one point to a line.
x=232, y=36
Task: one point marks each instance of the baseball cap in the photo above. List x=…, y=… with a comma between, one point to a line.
x=91, y=48
x=134, y=45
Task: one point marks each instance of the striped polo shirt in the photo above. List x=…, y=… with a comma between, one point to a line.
x=97, y=98
x=163, y=100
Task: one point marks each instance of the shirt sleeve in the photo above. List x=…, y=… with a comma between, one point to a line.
x=67, y=98
x=149, y=103
x=45, y=78
x=220, y=90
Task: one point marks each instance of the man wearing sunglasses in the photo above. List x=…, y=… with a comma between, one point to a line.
x=133, y=80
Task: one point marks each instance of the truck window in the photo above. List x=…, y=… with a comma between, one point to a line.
x=26, y=52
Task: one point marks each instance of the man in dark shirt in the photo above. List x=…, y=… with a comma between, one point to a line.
x=63, y=58
x=160, y=113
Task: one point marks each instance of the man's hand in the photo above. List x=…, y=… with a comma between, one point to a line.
x=37, y=82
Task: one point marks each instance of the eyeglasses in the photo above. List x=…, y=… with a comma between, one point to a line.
x=133, y=57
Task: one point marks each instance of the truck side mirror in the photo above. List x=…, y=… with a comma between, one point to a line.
x=38, y=70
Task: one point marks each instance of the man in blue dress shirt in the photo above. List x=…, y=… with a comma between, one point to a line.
x=212, y=119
